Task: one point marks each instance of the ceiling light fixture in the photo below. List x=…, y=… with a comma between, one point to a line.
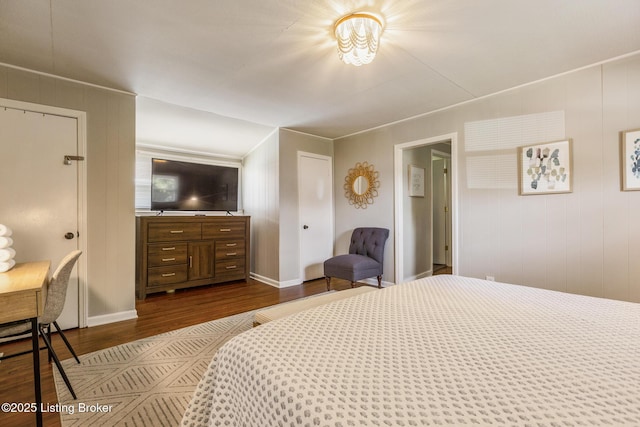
x=358, y=36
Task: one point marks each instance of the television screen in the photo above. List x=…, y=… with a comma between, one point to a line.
x=184, y=186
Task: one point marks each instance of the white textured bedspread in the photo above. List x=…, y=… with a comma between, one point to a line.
x=443, y=350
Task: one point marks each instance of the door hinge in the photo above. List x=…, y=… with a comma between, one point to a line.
x=446, y=208
x=446, y=247
x=68, y=158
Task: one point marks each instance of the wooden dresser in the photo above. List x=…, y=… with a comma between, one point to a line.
x=174, y=252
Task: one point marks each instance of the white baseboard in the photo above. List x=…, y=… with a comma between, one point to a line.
x=275, y=283
x=373, y=281
x=295, y=282
x=111, y=318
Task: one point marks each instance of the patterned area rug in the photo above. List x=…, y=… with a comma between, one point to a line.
x=148, y=382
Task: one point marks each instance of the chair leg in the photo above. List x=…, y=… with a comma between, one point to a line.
x=379, y=282
x=49, y=336
x=57, y=361
x=64, y=338
x=328, y=283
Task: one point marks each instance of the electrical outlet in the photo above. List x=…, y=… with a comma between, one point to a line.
x=490, y=278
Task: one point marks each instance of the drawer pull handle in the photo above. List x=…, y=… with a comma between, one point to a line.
x=229, y=245
x=169, y=249
x=168, y=259
x=190, y=261
x=231, y=267
x=176, y=231
x=225, y=229
x=168, y=274
x=232, y=254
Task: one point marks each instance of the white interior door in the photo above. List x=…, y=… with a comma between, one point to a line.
x=315, y=197
x=39, y=193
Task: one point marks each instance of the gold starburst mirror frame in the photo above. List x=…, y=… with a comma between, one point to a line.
x=361, y=185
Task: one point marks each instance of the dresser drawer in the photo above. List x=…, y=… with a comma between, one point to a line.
x=230, y=229
x=227, y=249
x=159, y=276
x=230, y=269
x=174, y=232
x=160, y=254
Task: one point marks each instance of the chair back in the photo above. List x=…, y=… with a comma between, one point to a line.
x=369, y=241
x=57, y=291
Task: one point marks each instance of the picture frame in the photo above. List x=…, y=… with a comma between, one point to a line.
x=545, y=168
x=416, y=181
x=630, y=160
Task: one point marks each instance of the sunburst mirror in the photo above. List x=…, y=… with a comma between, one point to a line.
x=361, y=185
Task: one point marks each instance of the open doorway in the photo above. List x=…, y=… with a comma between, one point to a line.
x=414, y=216
x=440, y=204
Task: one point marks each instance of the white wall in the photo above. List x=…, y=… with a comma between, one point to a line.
x=416, y=216
x=583, y=242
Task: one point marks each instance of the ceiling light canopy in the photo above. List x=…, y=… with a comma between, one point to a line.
x=358, y=36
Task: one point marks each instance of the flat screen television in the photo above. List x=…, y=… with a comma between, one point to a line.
x=185, y=186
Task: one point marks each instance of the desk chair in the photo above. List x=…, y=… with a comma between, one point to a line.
x=364, y=260
x=56, y=294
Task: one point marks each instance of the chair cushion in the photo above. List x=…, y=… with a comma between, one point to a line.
x=352, y=267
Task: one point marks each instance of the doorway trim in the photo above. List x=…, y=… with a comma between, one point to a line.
x=81, y=123
x=399, y=190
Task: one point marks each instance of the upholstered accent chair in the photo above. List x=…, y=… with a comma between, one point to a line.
x=364, y=260
x=53, y=306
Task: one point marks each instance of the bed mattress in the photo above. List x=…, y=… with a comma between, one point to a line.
x=443, y=350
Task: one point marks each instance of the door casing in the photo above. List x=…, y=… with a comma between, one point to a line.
x=399, y=191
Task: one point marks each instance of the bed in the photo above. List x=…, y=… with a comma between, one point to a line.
x=443, y=350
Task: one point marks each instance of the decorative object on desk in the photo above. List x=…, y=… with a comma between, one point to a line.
x=361, y=185
x=416, y=181
x=7, y=253
x=630, y=154
x=545, y=168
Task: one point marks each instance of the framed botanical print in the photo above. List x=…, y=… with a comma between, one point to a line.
x=630, y=156
x=545, y=168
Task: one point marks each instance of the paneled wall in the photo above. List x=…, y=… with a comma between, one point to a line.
x=110, y=192
x=260, y=198
x=270, y=179
x=583, y=242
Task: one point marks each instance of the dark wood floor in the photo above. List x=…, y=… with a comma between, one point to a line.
x=158, y=313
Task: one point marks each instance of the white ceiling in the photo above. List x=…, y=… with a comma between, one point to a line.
x=219, y=75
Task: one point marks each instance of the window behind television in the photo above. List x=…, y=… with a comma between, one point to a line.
x=185, y=186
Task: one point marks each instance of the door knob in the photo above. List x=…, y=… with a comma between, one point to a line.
x=305, y=226
x=69, y=235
